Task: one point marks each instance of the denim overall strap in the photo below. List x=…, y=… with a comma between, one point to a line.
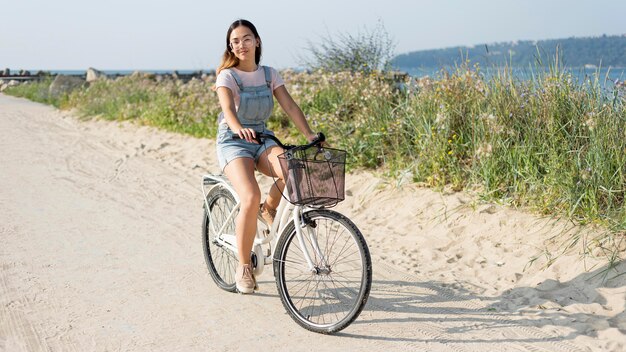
x=268, y=76
x=237, y=79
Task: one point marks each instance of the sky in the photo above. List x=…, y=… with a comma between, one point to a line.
x=191, y=34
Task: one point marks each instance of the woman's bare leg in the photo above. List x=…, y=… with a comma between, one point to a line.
x=240, y=173
x=269, y=165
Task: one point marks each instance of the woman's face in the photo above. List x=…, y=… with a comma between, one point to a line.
x=243, y=43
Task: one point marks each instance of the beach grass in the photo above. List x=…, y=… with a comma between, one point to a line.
x=551, y=143
x=35, y=91
x=185, y=108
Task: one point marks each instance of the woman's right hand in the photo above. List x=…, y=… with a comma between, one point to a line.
x=248, y=134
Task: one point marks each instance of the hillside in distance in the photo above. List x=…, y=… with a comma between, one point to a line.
x=604, y=51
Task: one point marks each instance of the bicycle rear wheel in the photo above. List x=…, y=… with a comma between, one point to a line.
x=330, y=297
x=221, y=262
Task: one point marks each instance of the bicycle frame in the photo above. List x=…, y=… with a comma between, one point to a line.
x=285, y=213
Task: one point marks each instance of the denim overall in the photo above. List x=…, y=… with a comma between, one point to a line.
x=255, y=107
x=256, y=103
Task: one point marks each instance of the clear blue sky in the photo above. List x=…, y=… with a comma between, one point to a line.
x=186, y=34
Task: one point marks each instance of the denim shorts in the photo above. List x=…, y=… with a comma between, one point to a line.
x=229, y=149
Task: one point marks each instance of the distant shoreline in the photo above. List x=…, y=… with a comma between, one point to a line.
x=604, y=73
x=30, y=75
x=126, y=72
x=614, y=72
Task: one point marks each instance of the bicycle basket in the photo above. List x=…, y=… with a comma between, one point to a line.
x=314, y=176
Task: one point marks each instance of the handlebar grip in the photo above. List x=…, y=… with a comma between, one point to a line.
x=257, y=137
x=320, y=138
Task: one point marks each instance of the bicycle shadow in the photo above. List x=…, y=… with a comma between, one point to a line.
x=431, y=311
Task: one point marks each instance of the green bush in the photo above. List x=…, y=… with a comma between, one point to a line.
x=368, y=51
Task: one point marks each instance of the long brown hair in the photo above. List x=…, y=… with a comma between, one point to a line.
x=228, y=58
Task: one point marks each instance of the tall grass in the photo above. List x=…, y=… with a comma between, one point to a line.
x=35, y=91
x=187, y=108
x=549, y=143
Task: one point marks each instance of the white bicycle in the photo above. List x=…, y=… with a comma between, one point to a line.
x=321, y=261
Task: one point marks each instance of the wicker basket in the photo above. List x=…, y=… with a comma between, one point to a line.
x=314, y=176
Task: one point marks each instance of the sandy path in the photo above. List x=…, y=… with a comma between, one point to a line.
x=100, y=251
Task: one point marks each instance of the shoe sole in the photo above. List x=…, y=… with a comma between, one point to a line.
x=245, y=291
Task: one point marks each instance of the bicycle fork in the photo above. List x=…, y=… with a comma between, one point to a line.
x=322, y=267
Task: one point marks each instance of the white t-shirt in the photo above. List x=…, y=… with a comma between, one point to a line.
x=248, y=79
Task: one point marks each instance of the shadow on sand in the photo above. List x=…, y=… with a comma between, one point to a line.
x=431, y=311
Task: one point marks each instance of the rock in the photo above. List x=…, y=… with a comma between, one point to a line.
x=64, y=85
x=143, y=75
x=93, y=75
x=4, y=84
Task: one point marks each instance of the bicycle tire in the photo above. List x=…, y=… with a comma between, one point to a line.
x=221, y=262
x=324, y=302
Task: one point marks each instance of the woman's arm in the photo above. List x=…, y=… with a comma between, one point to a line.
x=227, y=102
x=294, y=112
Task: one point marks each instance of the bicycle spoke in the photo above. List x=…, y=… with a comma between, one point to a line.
x=221, y=261
x=304, y=296
x=337, y=295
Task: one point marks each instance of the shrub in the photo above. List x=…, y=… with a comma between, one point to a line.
x=367, y=51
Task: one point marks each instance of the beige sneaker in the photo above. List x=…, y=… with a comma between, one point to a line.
x=244, y=279
x=268, y=215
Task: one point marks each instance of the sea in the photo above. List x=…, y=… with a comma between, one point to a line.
x=581, y=74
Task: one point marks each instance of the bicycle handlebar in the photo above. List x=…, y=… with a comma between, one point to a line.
x=319, y=139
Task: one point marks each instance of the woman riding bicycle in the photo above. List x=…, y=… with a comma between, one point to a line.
x=246, y=91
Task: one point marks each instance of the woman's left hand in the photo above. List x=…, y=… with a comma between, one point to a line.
x=311, y=137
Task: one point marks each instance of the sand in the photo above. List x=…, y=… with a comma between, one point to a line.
x=100, y=226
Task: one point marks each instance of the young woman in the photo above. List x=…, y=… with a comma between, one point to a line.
x=246, y=91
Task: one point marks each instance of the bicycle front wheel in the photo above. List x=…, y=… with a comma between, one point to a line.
x=330, y=296
x=221, y=261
